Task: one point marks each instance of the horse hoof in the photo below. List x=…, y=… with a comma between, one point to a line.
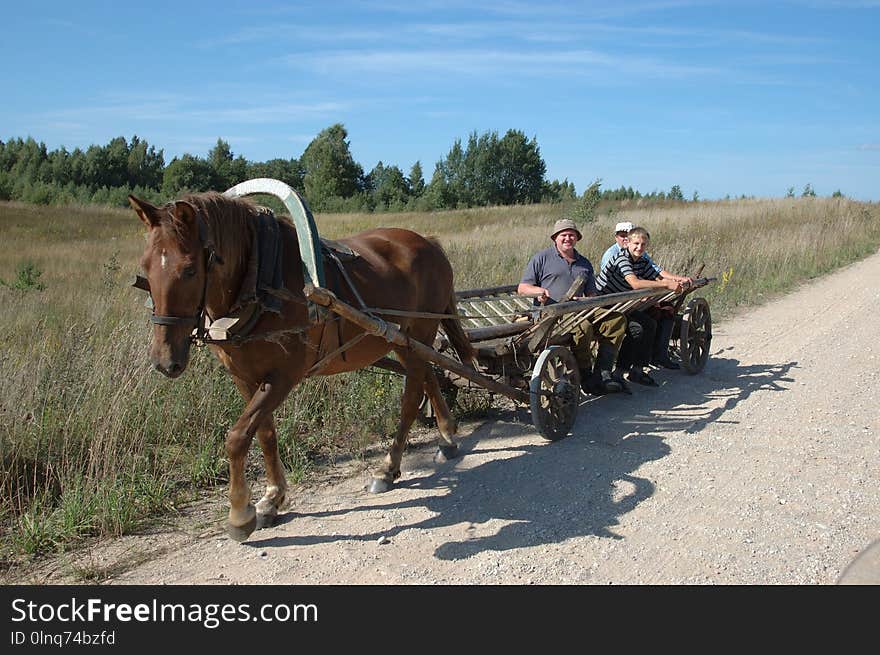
x=266, y=520
x=446, y=453
x=242, y=532
x=379, y=486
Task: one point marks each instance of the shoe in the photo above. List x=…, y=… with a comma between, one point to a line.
x=665, y=363
x=618, y=377
x=640, y=377
x=588, y=384
x=599, y=385
x=609, y=384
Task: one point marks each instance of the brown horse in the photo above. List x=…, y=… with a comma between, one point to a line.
x=197, y=259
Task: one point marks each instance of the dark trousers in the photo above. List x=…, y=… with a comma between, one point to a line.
x=639, y=342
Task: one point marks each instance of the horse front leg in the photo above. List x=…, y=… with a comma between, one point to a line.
x=276, y=478
x=413, y=388
x=446, y=423
x=267, y=396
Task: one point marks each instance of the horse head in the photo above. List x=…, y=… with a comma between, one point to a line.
x=175, y=262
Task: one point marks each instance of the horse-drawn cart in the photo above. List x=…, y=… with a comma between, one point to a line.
x=227, y=273
x=522, y=351
x=527, y=348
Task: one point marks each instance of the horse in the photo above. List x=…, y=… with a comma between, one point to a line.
x=197, y=259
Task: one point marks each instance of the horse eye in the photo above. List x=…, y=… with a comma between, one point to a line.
x=189, y=271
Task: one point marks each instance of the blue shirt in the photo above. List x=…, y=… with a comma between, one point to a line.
x=550, y=270
x=615, y=249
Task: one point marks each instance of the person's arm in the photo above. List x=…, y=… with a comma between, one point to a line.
x=681, y=279
x=660, y=283
x=529, y=286
x=539, y=293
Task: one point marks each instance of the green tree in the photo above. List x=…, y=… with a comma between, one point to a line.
x=329, y=168
x=145, y=165
x=808, y=191
x=557, y=191
x=389, y=187
x=520, y=170
x=490, y=171
x=289, y=171
x=416, y=180
x=227, y=170
x=586, y=208
x=188, y=173
x=675, y=193
x=447, y=189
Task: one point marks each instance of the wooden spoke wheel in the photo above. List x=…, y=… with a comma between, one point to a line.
x=554, y=392
x=695, y=335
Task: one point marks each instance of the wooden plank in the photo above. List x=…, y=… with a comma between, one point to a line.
x=488, y=291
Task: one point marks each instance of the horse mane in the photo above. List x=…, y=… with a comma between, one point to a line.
x=230, y=222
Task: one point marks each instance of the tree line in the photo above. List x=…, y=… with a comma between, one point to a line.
x=486, y=170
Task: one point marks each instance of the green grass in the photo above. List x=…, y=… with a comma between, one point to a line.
x=93, y=442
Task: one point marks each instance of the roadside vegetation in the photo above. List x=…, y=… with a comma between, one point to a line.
x=94, y=443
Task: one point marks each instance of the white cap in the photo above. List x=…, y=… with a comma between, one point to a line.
x=626, y=226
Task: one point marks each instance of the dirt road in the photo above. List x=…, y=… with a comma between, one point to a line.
x=761, y=470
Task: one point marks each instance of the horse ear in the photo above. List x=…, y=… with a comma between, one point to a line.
x=145, y=211
x=185, y=212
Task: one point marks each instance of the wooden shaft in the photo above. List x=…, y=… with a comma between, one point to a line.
x=325, y=298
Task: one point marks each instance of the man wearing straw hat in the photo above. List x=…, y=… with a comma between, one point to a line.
x=548, y=277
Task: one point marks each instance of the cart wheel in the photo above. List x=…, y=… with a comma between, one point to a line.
x=554, y=392
x=695, y=335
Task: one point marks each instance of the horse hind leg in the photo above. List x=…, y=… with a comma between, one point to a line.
x=446, y=423
x=413, y=389
x=276, y=478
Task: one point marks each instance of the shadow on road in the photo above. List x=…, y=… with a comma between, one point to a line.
x=547, y=492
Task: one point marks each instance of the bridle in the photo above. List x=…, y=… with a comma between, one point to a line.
x=198, y=319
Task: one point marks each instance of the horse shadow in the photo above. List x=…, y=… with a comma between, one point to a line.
x=547, y=492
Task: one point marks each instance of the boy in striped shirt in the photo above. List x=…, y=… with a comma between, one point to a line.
x=629, y=270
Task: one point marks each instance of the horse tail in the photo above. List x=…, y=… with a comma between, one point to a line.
x=452, y=326
x=457, y=337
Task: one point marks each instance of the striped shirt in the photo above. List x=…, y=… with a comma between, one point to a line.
x=612, y=278
x=615, y=249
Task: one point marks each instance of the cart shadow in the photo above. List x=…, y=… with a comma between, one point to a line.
x=547, y=492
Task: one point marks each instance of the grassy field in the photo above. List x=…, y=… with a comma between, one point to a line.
x=93, y=442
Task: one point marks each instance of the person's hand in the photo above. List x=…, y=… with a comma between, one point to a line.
x=544, y=297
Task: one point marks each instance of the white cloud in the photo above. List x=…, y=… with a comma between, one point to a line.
x=491, y=61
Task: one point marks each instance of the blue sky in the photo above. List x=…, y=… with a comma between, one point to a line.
x=720, y=98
